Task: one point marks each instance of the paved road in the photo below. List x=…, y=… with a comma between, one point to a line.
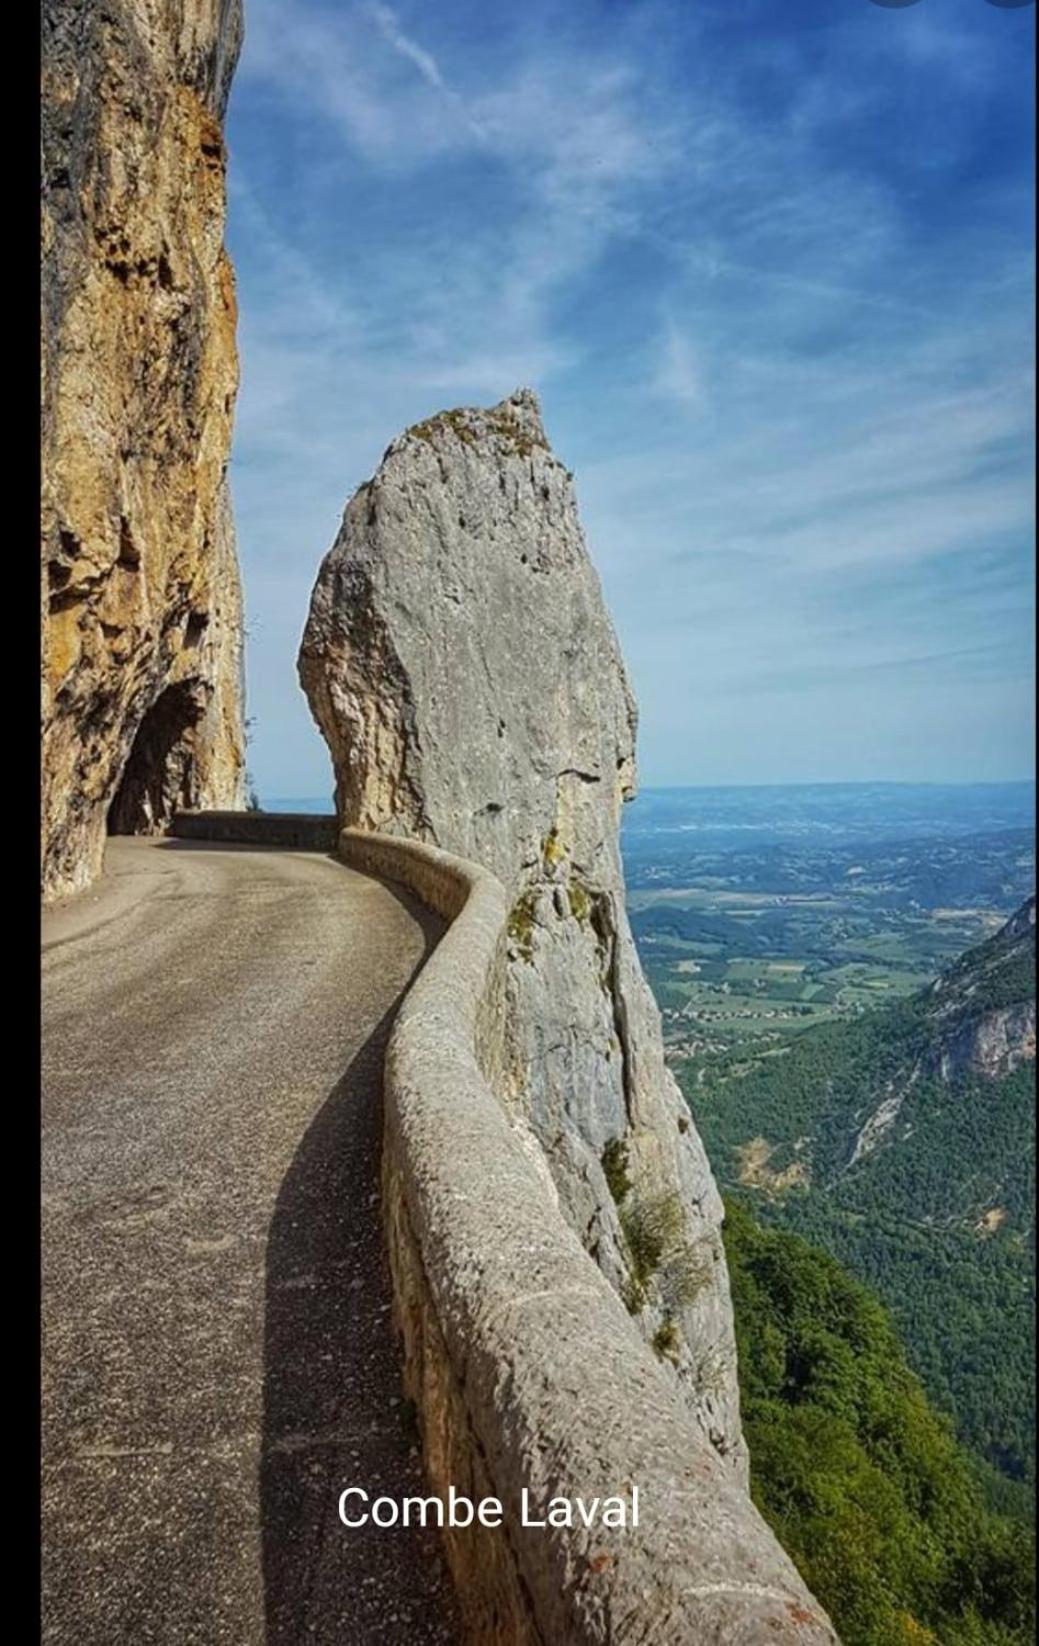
x=218, y=1356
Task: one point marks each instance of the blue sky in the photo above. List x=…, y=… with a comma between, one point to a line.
x=768, y=266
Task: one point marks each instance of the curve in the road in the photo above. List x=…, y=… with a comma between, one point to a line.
x=219, y=1358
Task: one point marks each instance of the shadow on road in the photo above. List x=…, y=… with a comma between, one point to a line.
x=334, y=1415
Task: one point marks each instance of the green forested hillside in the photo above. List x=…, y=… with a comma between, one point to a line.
x=904, y=1144
x=862, y=1481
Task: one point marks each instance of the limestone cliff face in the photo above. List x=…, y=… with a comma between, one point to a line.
x=462, y=667
x=141, y=608
x=981, y=1011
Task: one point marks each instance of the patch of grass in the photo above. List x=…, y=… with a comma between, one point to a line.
x=615, y=1168
x=462, y=428
x=655, y=1231
x=454, y=420
x=516, y=438
x=580, y=900
x=684, y=1274
x=666, y=1340
x=512, y=434
x=649, y=1227
x=520, y=925
x=633, y=1296
x=552, y=849
x=655, y=1235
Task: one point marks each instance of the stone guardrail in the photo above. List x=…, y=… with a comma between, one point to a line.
x=306, y=831
x=526, y=1369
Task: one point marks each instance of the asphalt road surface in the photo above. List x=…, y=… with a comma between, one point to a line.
x=219, y=1360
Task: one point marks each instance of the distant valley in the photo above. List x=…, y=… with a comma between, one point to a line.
x=853, y=1023
x=760, y=913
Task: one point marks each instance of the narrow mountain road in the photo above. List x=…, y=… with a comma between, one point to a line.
x=219, y=1361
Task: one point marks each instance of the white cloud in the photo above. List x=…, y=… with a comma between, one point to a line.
x=678, y=376
x=389, y=26
x=774, y=386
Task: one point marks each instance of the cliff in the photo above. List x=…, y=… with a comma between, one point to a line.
x=902, y=1141
x=140, y=599
x=980, y=1013
x=462, y=667
x=975, y=1021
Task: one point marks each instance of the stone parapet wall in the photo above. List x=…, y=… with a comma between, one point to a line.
x=524, y=1365
x=307, y=831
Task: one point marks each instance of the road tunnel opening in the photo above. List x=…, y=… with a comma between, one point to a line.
x=158, y=777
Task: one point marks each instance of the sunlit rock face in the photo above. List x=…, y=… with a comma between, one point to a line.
x=461, y=664
x=140, y=599
x=981, y=1011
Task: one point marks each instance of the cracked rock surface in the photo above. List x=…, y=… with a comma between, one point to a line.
x=140, y=599
x=461, y=664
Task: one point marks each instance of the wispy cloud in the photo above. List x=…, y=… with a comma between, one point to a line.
x=678, y=375
x=769, y=270
x=386, y=21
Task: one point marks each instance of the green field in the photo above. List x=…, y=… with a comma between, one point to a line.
x=731, y=967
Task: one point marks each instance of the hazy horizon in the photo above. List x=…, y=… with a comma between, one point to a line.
x=645, y=789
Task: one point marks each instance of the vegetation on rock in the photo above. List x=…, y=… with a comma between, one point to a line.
x=615, y=1168
x=885, y=1142
x=860, y=1478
